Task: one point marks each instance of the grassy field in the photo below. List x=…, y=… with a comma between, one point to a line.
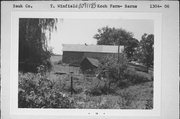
x=55, y=90
x=88, y=94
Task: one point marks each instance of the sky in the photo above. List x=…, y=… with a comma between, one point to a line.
x=81, y=31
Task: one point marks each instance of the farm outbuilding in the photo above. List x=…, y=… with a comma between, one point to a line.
x=75, y=53
x=89, y=64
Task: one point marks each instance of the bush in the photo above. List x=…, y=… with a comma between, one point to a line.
x=124, y=83
x=97, y=88
x=126, y=99
x=112, y=70
x=135, y=78
x=149, y=104
x=37, y=91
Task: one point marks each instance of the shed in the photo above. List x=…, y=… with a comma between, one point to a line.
x=89, y=64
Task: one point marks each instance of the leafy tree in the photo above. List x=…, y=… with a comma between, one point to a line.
x=117, y=36
x=34, y=34
x=131, y=47
x=112, y=70
x=145, y=51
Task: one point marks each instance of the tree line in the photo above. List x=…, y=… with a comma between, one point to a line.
x=116, y=69
x=141, y=50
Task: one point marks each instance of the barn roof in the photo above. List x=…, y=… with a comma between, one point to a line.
x=92, y=48
x=93, y=61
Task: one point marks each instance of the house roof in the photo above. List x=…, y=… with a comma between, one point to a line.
x=93, y=61
x=92, y=48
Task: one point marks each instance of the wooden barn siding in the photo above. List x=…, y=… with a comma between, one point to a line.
x=96, y=55
x=71, y=57
x=85, y=64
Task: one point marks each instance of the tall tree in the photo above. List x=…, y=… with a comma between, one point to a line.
x=131, y=47
x=34, y=34
x=145, y=52
x=117, y=36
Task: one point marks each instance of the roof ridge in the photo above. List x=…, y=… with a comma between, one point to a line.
x=92, y=48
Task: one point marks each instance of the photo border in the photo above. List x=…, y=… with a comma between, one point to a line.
x=156, y=17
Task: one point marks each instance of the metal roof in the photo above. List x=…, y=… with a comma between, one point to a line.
x=92, y=48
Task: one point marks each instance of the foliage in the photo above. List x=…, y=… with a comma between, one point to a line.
x=145, y=51
x=98, y=89
x=34, y=34
x=50, y=90
x=134, y=97
x=126, y=98
x=37, y=91
x=131, y=47
x=112, y=69
x=112, y=36
x=149, y=104
x=117, y=36
x=133, y=77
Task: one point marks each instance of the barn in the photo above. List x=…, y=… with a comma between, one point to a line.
x=73, y=54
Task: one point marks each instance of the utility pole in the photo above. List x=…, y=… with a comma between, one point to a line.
x=118, y=59
x=118, y=62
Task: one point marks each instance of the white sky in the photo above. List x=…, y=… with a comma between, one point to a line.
x=81, y=31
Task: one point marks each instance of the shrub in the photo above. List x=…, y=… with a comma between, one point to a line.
x=124, y=83
x=149, y=104
x=98, y=88
x=105, y=103
x=112, y=70
x=37, y=91
x=126, y=99
x=134, y=77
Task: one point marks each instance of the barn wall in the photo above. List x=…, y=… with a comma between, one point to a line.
x=96, y=55
x=72, y=57
x=76, y=57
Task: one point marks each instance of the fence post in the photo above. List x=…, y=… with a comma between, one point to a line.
x=71, y=83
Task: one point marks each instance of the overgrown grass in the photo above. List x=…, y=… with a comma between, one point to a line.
x=53, y=90
x=36, y=91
